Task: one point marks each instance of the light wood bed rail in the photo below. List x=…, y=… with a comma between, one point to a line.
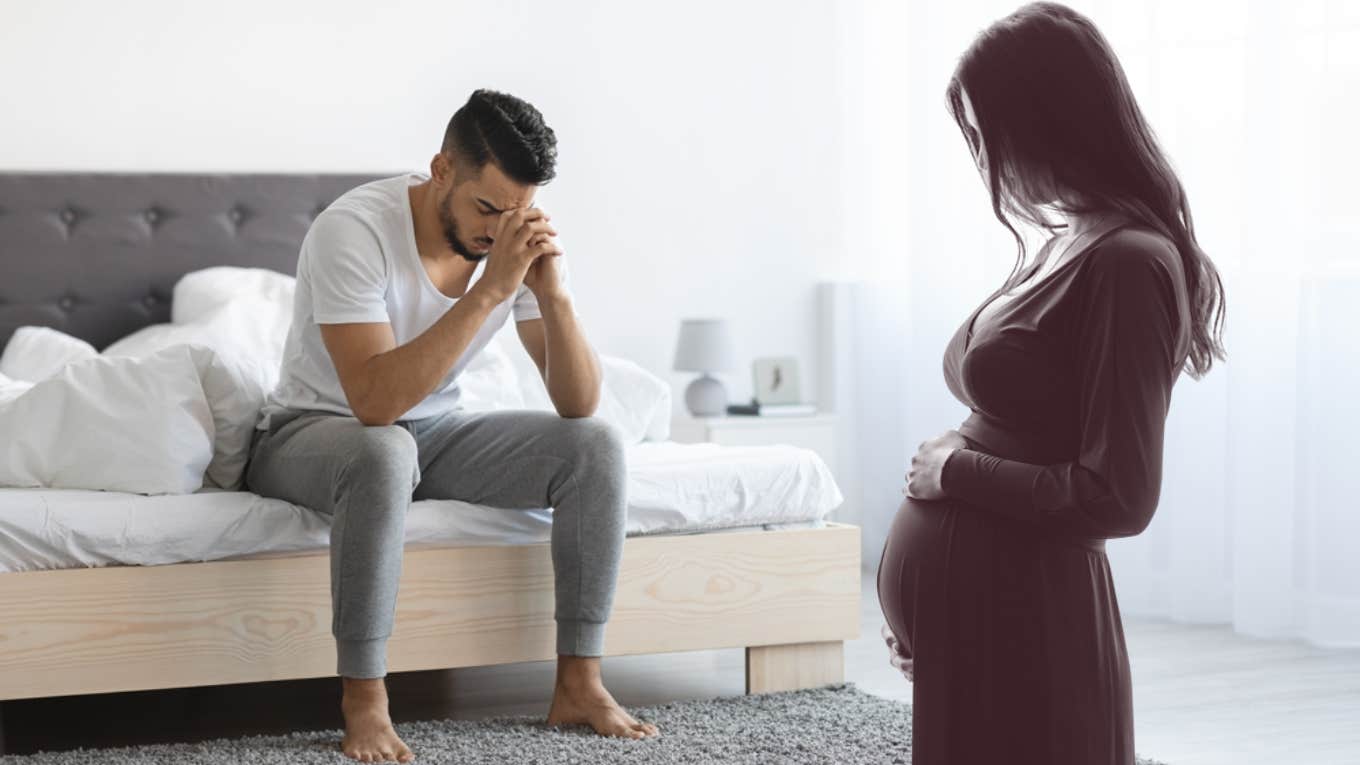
x=789, y=596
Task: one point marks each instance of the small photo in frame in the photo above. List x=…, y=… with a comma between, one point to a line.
x=775, y=380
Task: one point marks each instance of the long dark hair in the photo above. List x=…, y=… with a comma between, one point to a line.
x=1057, y=119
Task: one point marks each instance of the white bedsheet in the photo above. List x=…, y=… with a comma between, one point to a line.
x=671, y=488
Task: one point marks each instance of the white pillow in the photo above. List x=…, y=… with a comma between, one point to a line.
x=36, y=353
x=248, y=329
x=236, y=389
x=199, y=293
x=489, y=382
x=167, y=423
x=633, y=400
x=143, y=426
x=10, y=389
x=630, y=393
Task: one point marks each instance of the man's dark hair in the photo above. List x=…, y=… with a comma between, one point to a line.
x=497, y=127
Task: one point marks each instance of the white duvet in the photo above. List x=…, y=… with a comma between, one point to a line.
x=671, y=487
x=137, y=455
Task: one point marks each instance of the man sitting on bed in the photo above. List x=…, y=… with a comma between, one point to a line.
x=400, y=283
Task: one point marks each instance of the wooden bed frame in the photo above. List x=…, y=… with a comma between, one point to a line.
x=789, y=596
x=96, y=256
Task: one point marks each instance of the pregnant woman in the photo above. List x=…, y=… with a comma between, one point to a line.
x=994, y=581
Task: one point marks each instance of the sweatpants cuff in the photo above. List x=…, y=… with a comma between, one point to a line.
x=577, y=638
x=361, y=658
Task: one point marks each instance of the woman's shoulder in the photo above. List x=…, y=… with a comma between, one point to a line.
x=1135, y=268
x=1138, y=242
x=1135, y=249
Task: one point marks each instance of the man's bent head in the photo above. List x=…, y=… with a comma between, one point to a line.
x=497, y=151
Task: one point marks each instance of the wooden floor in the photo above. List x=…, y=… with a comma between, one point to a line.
x=1202, y=696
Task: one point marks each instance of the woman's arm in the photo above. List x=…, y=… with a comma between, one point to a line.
x=1129, y=351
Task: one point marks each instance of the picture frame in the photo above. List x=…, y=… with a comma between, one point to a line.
x=775, y=380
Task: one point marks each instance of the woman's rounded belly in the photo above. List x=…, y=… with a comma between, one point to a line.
x=919, y=538
x=939, y=545
x=920, y=531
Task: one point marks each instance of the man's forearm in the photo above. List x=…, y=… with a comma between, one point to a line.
x=572, y=371
x=402, y=377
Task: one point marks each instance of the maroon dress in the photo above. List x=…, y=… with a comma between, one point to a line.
x=1001, y=592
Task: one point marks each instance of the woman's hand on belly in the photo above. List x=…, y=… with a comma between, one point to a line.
x=923, y=478
x=896, y=657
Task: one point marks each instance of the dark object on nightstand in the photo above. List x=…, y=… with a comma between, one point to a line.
x=757, y=409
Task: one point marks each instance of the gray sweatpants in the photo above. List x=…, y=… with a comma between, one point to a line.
x=364, y=478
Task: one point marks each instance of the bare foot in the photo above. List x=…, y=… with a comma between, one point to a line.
x=369, y=736
x=580, y=698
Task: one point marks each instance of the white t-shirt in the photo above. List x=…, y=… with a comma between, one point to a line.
x=359, y=263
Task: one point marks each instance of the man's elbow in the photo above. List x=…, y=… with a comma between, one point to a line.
x=578, y=410
x=583, y=406
x=371, y=415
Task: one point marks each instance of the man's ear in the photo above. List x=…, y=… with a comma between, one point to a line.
x=441, y=169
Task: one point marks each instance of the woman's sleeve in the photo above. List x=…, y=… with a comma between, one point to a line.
x=1129, y=355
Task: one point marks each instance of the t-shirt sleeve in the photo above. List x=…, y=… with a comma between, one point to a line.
x=1129, y=351
x=526, y=307
x=346, y=270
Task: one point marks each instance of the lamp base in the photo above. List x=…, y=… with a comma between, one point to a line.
x=706, y=397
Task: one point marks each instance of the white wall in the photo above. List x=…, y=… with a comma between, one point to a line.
x=699, y=142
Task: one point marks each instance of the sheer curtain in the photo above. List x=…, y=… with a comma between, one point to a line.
x=1258, y=105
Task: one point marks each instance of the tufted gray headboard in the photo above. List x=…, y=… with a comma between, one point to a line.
x=96, y=255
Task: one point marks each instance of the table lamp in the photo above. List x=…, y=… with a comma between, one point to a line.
x=705, y=346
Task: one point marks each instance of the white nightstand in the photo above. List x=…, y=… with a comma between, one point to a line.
x=816, y=432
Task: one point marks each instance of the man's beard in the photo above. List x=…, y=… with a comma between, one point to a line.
x=451, y=231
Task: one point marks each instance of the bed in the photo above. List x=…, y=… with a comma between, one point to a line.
x=96, y=256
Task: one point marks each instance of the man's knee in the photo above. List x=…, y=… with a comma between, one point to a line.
x=383, y=451
x=594, y=440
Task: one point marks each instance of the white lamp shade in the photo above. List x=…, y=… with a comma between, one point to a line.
x=705, y=346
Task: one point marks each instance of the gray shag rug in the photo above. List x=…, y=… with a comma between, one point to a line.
x=835, y=724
